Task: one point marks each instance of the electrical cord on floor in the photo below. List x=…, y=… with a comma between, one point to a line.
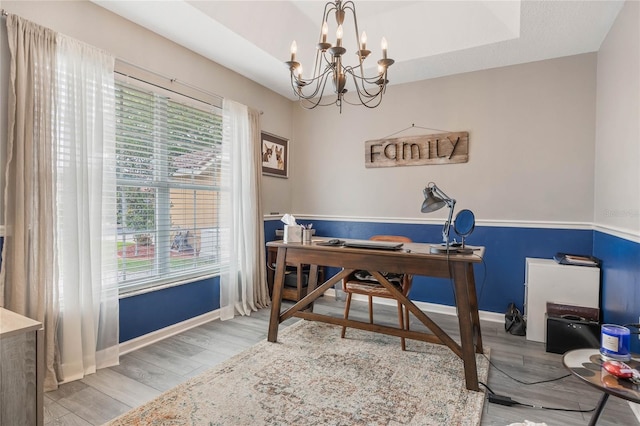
x=522, y=382
x=488, y=388
x=509, y=402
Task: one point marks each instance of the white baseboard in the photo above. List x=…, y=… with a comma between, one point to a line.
x=163, y=333
x=427, y=307
x=172, y=330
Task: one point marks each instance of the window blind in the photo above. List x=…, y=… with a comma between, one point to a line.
x=169, y=165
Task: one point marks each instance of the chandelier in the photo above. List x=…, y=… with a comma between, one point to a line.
x=329, y=66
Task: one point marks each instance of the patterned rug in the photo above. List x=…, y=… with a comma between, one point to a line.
x=313, y=377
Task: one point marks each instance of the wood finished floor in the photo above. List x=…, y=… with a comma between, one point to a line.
x=147, y=372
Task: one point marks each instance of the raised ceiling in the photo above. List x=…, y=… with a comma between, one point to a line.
x=427, y=39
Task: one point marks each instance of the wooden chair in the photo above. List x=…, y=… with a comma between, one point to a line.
x=359, y=283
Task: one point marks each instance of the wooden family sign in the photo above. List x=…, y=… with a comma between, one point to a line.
x=443, y=148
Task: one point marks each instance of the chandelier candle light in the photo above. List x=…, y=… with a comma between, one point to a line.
x=329, y=65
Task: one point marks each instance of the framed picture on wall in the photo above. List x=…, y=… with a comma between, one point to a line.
x=275, y=155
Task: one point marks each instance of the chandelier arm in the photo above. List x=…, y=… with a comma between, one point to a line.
x=365, y=96
x=371, y=80
x=317, y=65
x=351, y=6
x=362, y=87
x=313, y=105
x=317, y=77
x=328, y=8
x=319, y=99
x=320, y=85
x=380, y=89
x=319, y=81
x=320, y=57
x=368, y=99
x=367, y=103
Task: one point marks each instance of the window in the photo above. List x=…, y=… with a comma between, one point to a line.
x=168, y=154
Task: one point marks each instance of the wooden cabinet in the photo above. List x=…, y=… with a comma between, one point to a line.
x=21, y=370
x=296, y=280
x=549, y=281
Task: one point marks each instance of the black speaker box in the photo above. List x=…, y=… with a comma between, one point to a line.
x=568, y=333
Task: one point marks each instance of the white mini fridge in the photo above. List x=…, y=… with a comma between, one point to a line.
x=549, y=281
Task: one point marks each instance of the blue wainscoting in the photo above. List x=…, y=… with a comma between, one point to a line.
x=621, y=280
x=499, y=280
x=148, y=312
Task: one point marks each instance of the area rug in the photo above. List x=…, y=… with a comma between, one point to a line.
x=313, y=377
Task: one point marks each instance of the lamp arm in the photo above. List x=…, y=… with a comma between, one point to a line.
x=440, y=193
x=451, y=203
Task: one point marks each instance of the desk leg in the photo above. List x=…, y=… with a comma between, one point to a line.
x=599, y=408
x=465, y=321
x=276, y=299
x=271, y=260
x=313, y=282
x=473, y=303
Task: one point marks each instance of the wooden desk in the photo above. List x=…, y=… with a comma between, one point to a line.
x=417, y=261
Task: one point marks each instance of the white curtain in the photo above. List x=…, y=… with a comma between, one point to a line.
x=59, y=171
x=243, y=285
x=86, y=212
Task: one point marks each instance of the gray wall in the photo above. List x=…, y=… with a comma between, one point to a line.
x=533, y=154
x=531, y=147
x=617, y=169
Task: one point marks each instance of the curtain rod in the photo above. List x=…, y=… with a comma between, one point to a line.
x=170, y=79
x=4, y=13
x=166, y=88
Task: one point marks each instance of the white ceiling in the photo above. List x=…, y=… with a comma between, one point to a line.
x=427, y=39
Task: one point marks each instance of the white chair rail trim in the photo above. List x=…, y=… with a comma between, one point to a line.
x=628, y=234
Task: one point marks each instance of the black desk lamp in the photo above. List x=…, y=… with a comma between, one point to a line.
x=435, y=199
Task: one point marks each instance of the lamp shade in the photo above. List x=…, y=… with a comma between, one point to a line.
x=431, y=202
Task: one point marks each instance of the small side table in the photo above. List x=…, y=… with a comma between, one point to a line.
x=586, y=364
x=300, y=291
